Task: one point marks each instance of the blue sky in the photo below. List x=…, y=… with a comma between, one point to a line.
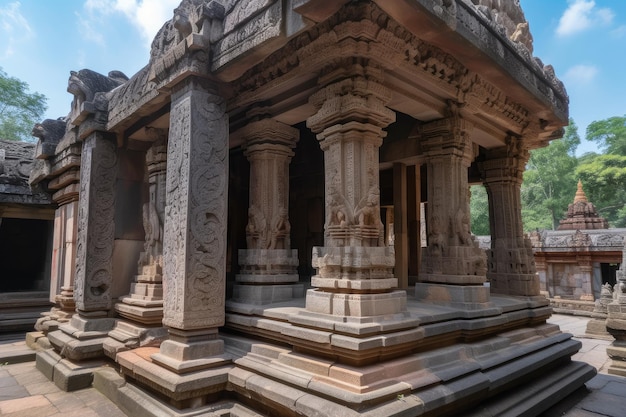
x=41, y=41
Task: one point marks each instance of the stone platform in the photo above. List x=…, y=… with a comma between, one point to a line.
x=26, y=392
x=503, y=359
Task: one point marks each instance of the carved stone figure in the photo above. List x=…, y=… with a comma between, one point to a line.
x=280, y=231
x=49, y=132
x=256, y=229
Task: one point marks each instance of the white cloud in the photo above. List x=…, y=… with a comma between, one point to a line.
x=581, y=74
x=146, y=15
x=581, y=15
x=619, y=31
x=14, y=29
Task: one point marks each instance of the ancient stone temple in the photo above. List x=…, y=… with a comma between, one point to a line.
x=576, y=260
x=230, y=210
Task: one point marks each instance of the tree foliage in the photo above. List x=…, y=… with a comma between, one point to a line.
x=609, y=134
x=19, y=109
x=479, y=210
x=604, y=180
x=550, y=181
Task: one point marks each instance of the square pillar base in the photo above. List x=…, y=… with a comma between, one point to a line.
x=469, y=297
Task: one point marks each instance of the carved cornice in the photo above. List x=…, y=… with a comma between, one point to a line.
x=363, y=32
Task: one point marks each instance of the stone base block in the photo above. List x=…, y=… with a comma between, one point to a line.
x=266, y=294
x=260, y=279
x=32, y=339
x=467, y=296
x=190, y=357
x=66, y=374
x=618, y=359
x=514, y=284
x=81, y=338
x=147, y=313
x=359, y=268
x=137, y=402
x=16, y=352
x=183, y=390
x=268, y=262
x=452, y=279
x=128, y=335
x=596, y=328
x=355, y=305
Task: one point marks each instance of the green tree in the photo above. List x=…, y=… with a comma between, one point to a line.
x=604, y=182
x=550, y=181
x=609, y=134
x=479, y=211
x=19, y=109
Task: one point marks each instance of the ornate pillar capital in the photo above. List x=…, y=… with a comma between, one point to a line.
x=449, y=137
x=506, y=163
x=269, y=134
x=354, y=93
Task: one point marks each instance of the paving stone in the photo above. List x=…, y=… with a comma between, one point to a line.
x=7, y=381
x=11, y=392
x=65, y=401
x=604, y=404
x=45, y=411
x=616, y=388
x=42, y=388
x=20, y=404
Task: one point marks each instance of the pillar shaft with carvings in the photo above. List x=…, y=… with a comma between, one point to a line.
x=510, y=259
x=81, y=338
x=96, y=228
x=144, y=304
x=452, y=255
x=194, y=244
x=354, y=268
x=63, y=267
x=268, y=265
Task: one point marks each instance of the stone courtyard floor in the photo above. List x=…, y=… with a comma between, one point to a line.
x=25, y=392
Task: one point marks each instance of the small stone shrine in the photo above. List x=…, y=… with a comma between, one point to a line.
x=225, y=249
x=576, y=260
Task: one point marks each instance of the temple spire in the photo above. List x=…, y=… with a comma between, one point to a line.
x=580, y=194
x=581, y=214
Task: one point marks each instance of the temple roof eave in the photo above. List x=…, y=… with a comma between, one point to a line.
x=526, y=89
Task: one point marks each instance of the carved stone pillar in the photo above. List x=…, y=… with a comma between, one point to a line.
x=453, y=258
x=143, y=307
x=354, y=267
x=268, y=265
x=194, y=241
x=511, y=260
x=82, y=337
x=585, y=265
x=63, y=254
